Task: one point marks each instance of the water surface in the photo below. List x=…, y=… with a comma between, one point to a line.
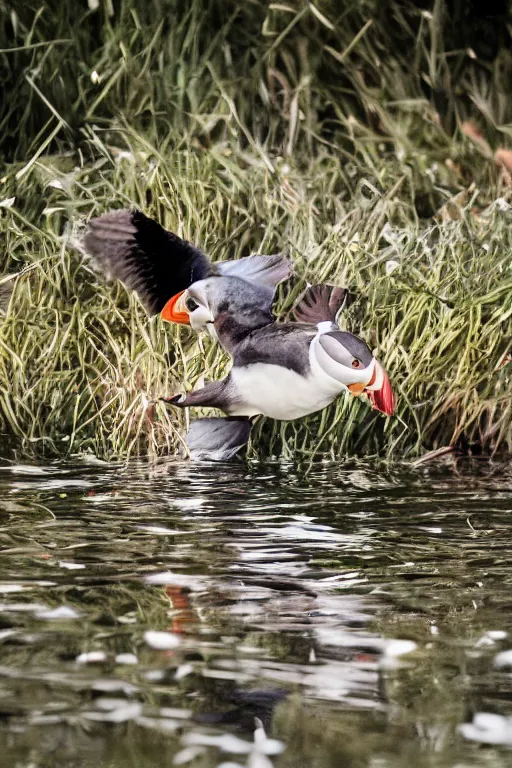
x=226, y=615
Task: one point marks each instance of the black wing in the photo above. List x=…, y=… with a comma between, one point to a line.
x=155, y=263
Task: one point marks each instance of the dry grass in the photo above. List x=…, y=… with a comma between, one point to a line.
x=244, y=128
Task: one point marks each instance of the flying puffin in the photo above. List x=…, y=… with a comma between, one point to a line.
x=159, y=266
x=280, y=370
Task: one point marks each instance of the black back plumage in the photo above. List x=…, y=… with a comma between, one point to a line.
x=284, y=344
x=145, y=257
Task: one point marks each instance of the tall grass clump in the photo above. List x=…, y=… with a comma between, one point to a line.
x=366, y=141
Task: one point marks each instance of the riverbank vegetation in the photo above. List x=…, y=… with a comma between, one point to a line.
x=367, y=140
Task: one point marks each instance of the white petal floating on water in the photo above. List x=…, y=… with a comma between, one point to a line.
x=488, y=728
x=161, y=641
x=71, y=566
x=503, y=659
x=91, y=657
x=63, y=612
x=126, y=658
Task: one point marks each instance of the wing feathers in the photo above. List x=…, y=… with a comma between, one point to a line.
x=217, y=439
x=321, y=303
x=266, y=271
x=130, y=247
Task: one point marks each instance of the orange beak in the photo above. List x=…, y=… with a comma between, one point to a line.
x=173, y=313
x=379, y=393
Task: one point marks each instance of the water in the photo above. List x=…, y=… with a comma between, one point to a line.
x=208, y=615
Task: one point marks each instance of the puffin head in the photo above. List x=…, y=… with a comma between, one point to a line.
x=206, y=302
x=348, y=359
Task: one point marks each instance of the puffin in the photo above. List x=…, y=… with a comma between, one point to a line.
x=159, y=266
x=281, y=370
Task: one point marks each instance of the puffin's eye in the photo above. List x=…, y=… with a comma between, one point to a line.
x=356, y=363
x=191, y=304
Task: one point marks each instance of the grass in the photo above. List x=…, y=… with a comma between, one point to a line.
x=313, y=128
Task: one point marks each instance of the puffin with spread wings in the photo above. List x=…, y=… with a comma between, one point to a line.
x=283, y=370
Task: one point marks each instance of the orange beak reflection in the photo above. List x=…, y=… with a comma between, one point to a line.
x=174, y=311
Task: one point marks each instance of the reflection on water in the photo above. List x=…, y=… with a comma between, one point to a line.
x=210, y=615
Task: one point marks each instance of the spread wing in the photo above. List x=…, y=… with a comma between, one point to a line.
x=321, y=303
x=134, y=249
x=264, y=271
x=157, y=264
